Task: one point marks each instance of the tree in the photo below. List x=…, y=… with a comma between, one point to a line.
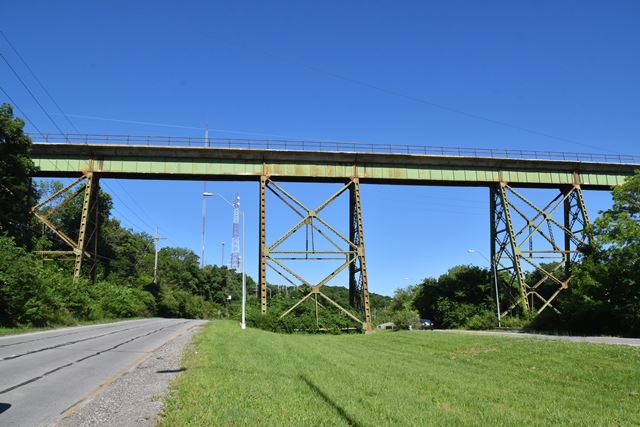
x=459, y=298
x=16, y=170
x=606, y=289
x=67, y=219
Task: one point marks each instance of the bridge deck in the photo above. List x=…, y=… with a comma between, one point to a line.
x=214, y=163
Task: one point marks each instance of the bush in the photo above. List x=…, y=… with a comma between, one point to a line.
x=178, y=303
x=21, y=287
x=404, y=318
x=121, y=301
x=485, y=319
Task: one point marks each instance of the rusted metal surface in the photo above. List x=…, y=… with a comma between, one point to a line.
x=336, y=146
x=87, y=186
x=533, y=241
x=145, y=162
x=350, y=249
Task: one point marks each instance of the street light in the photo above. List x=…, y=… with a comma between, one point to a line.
x=495, y=281
x=243, y=324
x=204, y=216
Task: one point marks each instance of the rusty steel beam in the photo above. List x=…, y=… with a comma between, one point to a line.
x=89, y=190
x=537, y=229
x=312, y=222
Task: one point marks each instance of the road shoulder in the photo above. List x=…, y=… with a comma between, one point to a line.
x=593, y=340
x=134, y=397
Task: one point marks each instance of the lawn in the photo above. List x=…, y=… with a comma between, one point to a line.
x=254, y=377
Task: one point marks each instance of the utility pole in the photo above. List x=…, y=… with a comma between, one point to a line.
x=222, y=258
x=155, y=262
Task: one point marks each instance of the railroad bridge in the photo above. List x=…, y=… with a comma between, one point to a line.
x=523, y=234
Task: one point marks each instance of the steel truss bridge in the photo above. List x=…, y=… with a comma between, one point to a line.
x=524, y=235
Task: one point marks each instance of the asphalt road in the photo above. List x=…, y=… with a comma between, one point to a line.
x=45, y=374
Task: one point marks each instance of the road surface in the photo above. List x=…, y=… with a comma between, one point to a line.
x=45, y=374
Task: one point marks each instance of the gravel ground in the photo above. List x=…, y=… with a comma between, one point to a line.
x=136, y=397
x=594, y=340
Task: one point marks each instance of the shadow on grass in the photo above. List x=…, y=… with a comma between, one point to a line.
x=171, y=371
x=351, y=421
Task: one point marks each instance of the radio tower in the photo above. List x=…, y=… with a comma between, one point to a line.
x=235, y=236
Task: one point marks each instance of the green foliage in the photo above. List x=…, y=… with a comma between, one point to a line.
x=460, y=298
x=16, y=170
x=303, y=318
x=19, y=283
x=604, y=296
x=406, y=318
x=33, y=293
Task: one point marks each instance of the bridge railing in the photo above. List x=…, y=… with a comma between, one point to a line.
x=339, y=146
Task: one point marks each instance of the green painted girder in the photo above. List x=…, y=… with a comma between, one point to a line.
x=155, y=162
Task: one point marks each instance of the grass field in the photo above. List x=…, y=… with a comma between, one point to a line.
x=254, y=377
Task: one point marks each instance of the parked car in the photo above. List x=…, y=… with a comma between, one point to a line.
x=426, y=324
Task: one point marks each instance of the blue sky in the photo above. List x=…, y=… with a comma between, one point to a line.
x=556, y=75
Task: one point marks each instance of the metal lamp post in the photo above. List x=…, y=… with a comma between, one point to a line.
x=204, y=217
x=243, y=323
x=495, y=281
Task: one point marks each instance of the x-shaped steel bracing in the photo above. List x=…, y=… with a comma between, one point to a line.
x=350, y=249
x=87, y=186
x=512, y=245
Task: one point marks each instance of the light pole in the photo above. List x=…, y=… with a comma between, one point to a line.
x=243, y=323
x=205, y=194
x=495, y=281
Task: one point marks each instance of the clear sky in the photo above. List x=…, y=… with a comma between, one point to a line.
x=544, y=75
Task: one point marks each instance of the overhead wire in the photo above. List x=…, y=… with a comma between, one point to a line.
x=176, y=126
x=415, y=98
x=138, y=206
x=143, y=221
x=15, y=73
x=150, y=228
x=38, y=80
x=21, y=111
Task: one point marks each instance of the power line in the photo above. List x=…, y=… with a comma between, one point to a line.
x=31, y=93
x=20, y=110
x=127, y=206
x=135, y=214
x=144, y=212
x=416, y=99
x=137, y=205
x=38, y=80
x=168, y=125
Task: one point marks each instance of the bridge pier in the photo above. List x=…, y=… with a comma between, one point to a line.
x=523, y=234
x=86, y=245
x=350, y=248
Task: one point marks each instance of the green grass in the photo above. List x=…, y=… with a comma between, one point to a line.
x=26, y=329
x=254, y=377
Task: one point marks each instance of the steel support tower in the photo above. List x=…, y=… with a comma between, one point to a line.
x=234, y=263
x=348, y=249
x=545, y=239
x=86, y=244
